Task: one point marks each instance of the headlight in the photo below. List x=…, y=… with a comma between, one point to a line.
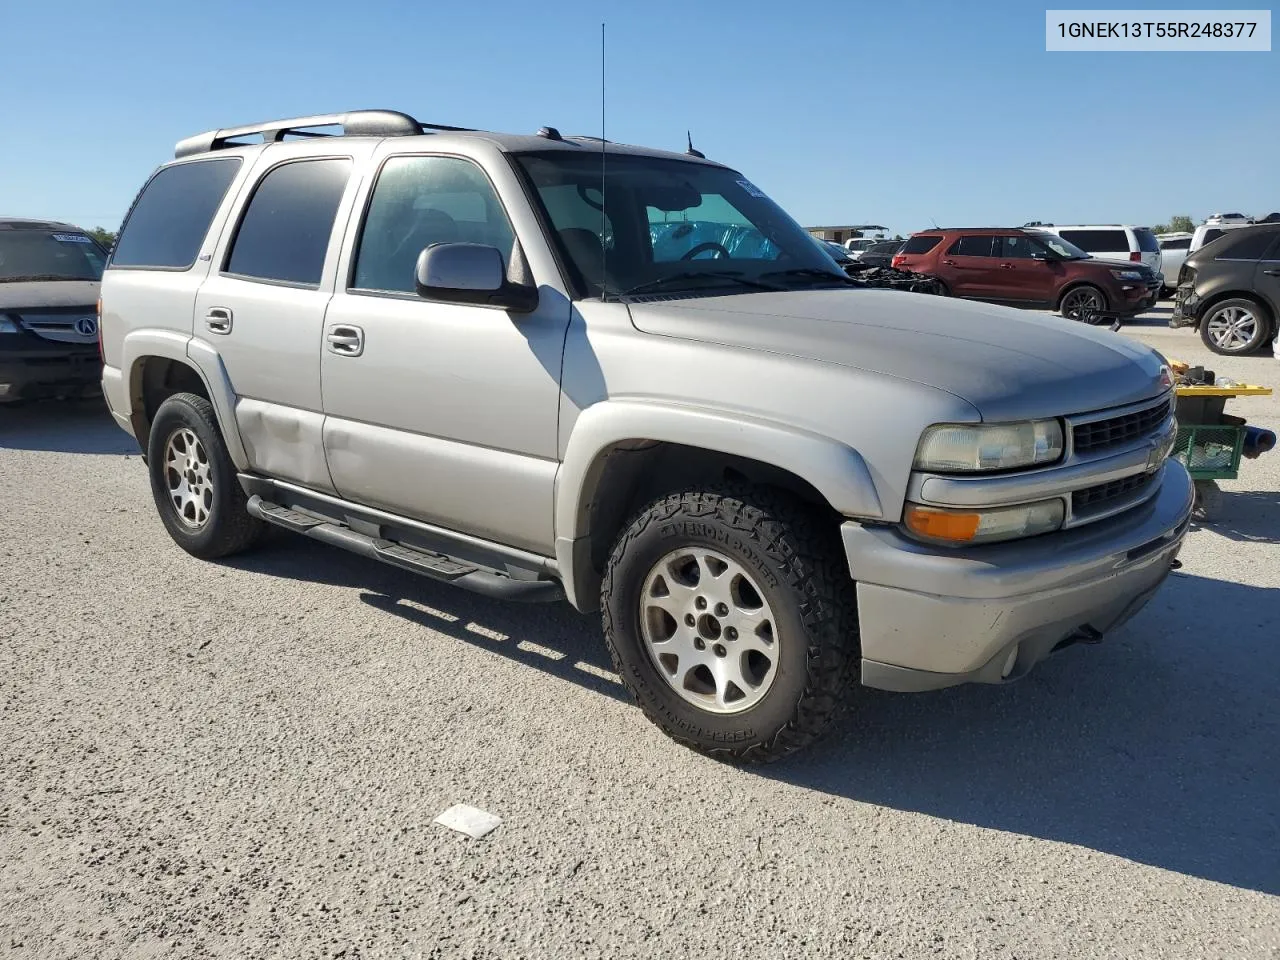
x=978, y=447
x=983, y=526
x=1128, y=274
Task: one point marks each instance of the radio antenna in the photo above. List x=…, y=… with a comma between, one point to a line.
x=604, y=220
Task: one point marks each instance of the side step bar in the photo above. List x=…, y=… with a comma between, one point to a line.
x=437, y=566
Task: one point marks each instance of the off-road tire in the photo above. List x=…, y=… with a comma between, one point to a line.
x=229, y=528
x=794, y=552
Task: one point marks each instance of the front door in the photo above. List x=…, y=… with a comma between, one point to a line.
x=441, y=412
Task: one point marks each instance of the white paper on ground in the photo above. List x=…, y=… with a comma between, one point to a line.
x=472, y=821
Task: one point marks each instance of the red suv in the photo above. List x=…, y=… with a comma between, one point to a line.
x=1027, y=268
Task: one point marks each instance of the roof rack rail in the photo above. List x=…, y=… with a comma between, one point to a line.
x=356, y=123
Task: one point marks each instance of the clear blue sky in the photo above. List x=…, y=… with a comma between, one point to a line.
x=848, y=111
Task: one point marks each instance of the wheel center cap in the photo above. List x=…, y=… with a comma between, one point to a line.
x=708, y=627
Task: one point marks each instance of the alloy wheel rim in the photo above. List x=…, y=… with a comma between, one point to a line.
x=1233, y=327
x=188, y=478
x=1078, y=300
x=709, y=630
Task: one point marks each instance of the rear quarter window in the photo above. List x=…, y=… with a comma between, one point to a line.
x=1097, y=241
x=920, y=244
x=1147, y=241
x=171, y=216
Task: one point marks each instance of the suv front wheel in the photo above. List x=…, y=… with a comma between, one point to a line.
x=1234, y=327
x=1083, y=303
x=731, y=619
x=193, y=480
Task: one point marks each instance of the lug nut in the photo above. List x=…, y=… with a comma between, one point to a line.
x=688, y=619
x=701, y=603
x=699, y=643
x=722, y=610
x=731, y=633
x=720, y=651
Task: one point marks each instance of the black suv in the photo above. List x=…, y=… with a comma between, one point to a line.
x=1230, y=289
x=49, y=275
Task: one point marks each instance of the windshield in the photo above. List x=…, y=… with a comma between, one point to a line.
x=669, y=225
x=1063, y=248
x=42, y=254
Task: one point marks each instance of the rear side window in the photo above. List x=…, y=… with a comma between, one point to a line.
x=1211, y=235
x=1097, y=241
x=920, y=244
x=285, y=231
x=1182, y=244
x=1246, y=245
x=979, y=246
x=171, y=216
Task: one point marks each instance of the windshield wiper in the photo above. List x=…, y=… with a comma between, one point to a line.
x=660, y=282
x=41, y=278
x=816, y=273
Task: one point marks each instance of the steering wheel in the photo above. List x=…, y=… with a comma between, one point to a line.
x=704, y=247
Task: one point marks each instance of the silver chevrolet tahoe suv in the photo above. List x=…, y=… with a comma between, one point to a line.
x=545, y=367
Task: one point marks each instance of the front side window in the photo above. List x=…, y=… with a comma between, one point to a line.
x=29, y=253
x=171, y=216
x=285, y=231
x=665, y=225
x=419, y=201
x=1017, y=248
x=974, y=246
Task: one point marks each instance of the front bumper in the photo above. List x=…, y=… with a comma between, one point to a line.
x=931, y=617
x=31, y=372
x=1186, y=309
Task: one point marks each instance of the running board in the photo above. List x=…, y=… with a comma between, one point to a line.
x=437, y=566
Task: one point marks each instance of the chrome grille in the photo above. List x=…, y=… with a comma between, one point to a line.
x=1116, y=431
x=1092, y=499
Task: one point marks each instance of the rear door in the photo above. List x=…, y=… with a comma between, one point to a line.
x=1021, y=276
x=1267, y=280
x=262, y=308
x=972, y=268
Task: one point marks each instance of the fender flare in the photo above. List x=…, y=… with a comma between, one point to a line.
x=200, y=357
x=836, y=470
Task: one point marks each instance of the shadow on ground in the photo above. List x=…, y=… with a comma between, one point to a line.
x=1159, y=745
x=551, y=637
x=63, y=426
x=1251, y=516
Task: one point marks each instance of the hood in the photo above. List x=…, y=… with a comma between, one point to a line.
x=1121, y=264
x=49, y=293
x=1009, y=364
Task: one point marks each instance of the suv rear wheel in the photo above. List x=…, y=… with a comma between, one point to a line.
x=731, y=618
x=1077, y=301
x=1235, y=326
x=193, y=480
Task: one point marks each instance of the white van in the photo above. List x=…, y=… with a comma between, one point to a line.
x=1112, y=241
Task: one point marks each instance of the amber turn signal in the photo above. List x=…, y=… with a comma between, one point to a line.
x=942, y=524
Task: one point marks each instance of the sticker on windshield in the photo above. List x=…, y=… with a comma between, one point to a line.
x=71, y=238
x=751, y=188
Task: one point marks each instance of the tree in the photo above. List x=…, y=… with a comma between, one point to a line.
x=104, y=237
x=1177, y=224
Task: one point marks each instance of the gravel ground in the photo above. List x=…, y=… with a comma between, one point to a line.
x=243, y=760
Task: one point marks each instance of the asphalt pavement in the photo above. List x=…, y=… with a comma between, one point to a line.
x=244, y=760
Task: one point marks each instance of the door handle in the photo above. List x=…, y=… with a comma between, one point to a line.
x=949, y=263
x=218, y=320
x=1006, y=266
x=1272, y=273
x=345, y=340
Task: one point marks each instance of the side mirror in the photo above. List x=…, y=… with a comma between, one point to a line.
x=471, y=273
